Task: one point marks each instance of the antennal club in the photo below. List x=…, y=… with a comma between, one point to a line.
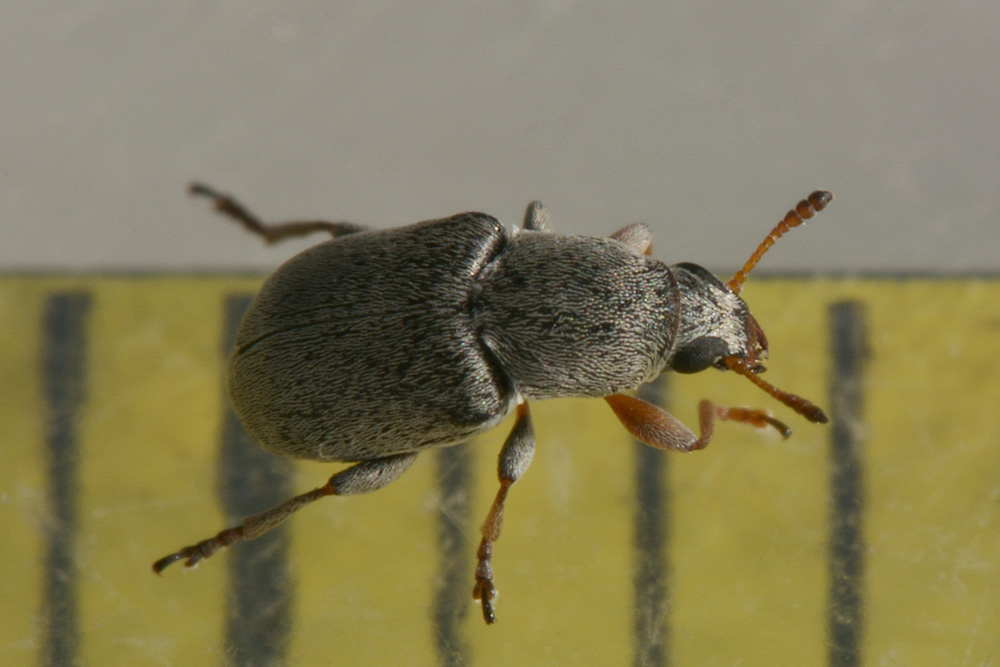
x=803, y=406
x=803, y=211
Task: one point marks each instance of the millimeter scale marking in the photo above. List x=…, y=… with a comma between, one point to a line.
x=64, y=370
x=260, y=589
x=845, y=611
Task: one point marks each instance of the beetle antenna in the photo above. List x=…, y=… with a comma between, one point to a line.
x=804, y=407
x=804, y=210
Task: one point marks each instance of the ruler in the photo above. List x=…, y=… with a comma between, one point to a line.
x=873, y=540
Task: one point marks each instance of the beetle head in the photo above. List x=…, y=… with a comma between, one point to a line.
x=734, y=340
x=715, y=324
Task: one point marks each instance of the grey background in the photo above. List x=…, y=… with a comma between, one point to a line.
x=706, y=120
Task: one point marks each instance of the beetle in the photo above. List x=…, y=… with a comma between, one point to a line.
x=379, y=344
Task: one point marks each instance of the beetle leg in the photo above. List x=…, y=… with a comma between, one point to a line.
x=636, y=236
x=515, y=457
x=752, y=416
x=655, y=427
x=536, y=218
x=360, y=478
x=228, y=206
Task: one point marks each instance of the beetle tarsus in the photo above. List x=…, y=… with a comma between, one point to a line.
x=752, y=416
x=487, y=601
x=162, y=564
x=200, y=551
x=484, y=591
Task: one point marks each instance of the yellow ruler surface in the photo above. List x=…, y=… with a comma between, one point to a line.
x=112, y=427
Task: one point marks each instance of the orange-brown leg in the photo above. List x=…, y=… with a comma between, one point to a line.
x=515, y=457
x=361, y=478
x=658, y=428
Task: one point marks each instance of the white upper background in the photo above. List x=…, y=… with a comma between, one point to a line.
x=706, y=120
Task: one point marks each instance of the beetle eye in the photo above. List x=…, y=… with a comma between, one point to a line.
x=699, y=354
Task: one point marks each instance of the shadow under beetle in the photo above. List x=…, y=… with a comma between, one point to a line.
x=379, y=344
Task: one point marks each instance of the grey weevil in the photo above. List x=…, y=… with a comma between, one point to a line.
x=378, y=344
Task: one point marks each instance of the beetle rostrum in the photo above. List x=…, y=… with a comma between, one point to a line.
x=378, y=344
